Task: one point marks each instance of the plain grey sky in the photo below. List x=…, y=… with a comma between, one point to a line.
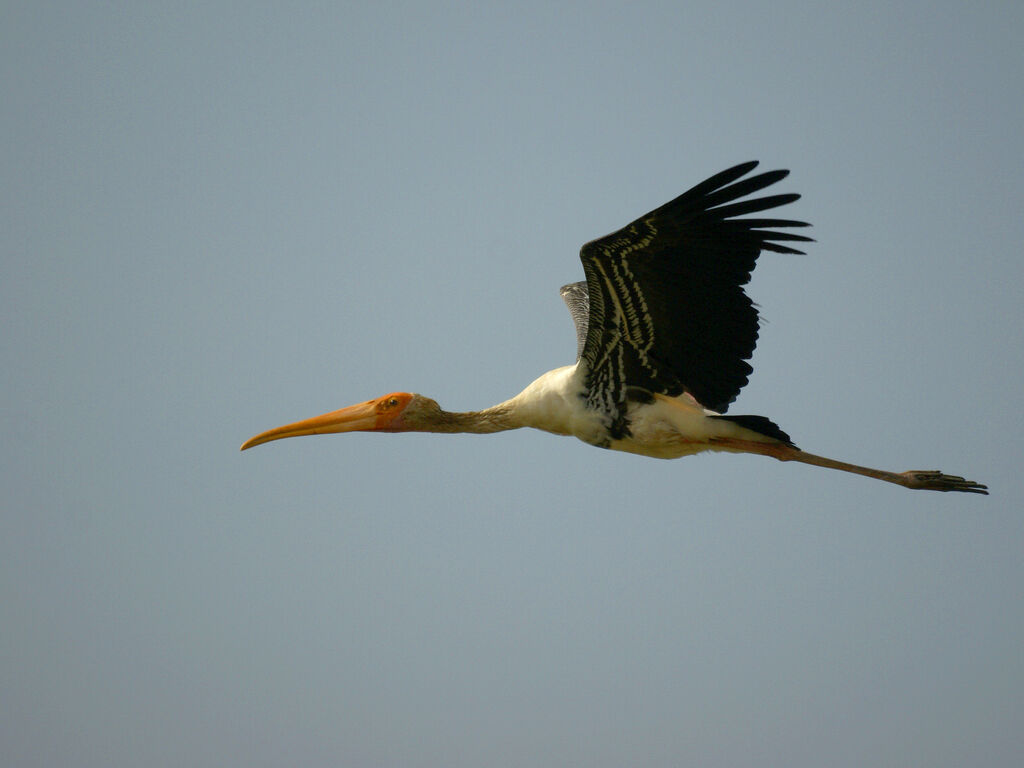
x=220, y=217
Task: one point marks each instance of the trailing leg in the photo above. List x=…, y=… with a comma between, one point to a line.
x=928, y=480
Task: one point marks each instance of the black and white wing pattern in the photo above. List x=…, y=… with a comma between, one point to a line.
x=666, y=307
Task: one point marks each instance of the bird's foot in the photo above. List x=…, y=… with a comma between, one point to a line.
x=933, y=480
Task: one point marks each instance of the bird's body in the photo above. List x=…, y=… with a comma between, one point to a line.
x=664, y=331
x=660, y=427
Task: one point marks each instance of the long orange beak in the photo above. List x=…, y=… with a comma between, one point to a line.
x=364, y=416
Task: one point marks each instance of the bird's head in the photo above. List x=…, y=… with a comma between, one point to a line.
x=396, y=412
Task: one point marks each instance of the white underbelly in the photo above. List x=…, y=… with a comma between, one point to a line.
x=667, y=449
x=670, y=428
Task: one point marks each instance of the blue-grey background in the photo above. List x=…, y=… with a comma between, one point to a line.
x=220, y=217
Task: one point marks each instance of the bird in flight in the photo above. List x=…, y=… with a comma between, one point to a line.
x=664, y=331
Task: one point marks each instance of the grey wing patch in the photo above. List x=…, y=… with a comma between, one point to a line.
x=577, y=300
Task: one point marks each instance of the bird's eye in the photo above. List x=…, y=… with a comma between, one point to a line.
x=392, y=402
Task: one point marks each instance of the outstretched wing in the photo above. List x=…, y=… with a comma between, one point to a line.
x=667, y=311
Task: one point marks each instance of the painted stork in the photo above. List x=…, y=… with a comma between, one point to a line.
x=663, y=331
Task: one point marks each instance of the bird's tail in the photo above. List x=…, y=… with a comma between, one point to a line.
x=761, y=425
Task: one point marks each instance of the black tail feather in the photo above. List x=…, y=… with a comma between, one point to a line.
x=761, y=425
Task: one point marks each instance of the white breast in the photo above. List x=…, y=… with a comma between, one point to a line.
x=553, y=402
